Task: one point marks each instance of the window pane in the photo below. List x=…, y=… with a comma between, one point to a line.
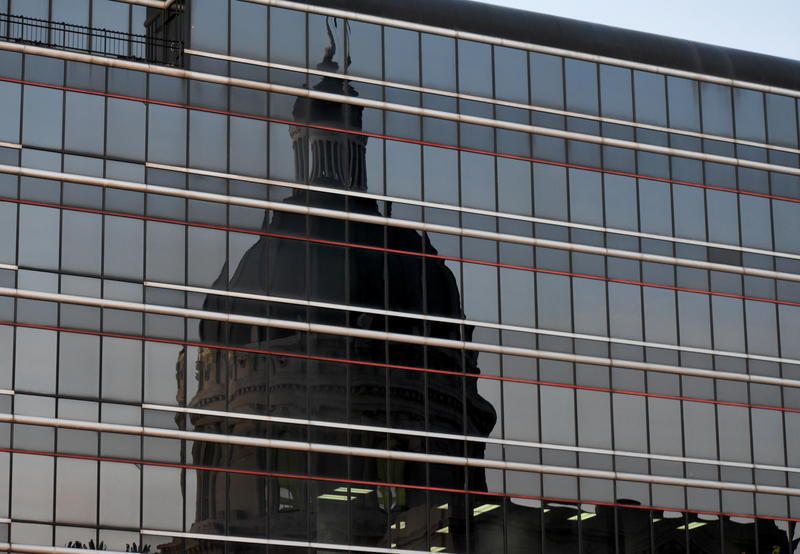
x=41, y=123
x=210, y=25
x=249, y=22
x=208, y=141
x=717, y=113
x=475, y=68
x=79, y=365
x=36, y=353
x=85, y=122
x=684, y=103
x=81, y=242
x=477, y=181
x=615, y=92
x=38, y=237
x=119, y=481
x=749, y=108
x=438, y=62
x=76, y=492
x=401, y=49
x=107, y=14
x=126, y=129
x=123, y=247
x=32, y=488
x=166, y=248
x=581, y=80
x=287, y=36
x=511, y=74
x=547, y=81
x=781, y=120
x=167, y=135
x=8, y=229
x=10, y=94
x=366, y=50
x=651, y=102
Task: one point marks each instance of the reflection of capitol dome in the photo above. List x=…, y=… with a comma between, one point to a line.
x=322, y=156
x=294, y=387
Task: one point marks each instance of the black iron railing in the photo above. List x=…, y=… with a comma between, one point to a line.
x=103, y=42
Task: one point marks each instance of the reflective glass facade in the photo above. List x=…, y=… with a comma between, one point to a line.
x=288, y=280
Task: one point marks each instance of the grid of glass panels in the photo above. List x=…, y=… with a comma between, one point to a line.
x=72, y=362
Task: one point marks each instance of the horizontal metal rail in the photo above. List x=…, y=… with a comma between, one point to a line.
x=401, y=338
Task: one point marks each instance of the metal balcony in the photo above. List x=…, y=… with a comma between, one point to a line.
x=101, y=42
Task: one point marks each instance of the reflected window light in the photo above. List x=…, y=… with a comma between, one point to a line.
x=483, y=508
x=692, y=525
x=353, y=490
x=444, y=506
x=337, y=497
x=444, y=530
x=583, y=516
x=437, y=548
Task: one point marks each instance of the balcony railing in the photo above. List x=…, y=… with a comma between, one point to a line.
x=103, y=42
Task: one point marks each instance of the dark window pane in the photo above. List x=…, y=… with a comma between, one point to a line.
x=167, y=135
x=511, y=74
x=749, y=110
x=401, y=50
x=84, y=122
x=210, y=26
x=208, y=141
x=650, y=97
x=615, y=92
x=81, y=242
x=438, y=62
x=366, y=50
x=41, y=123
x=125, y=129
x=287, y=36
x=581, y=80
x=717, y=113
x=475, y=68
x=10, y=95
x=30, y=8
x=547, y=80
x=38, y=233
x=249, y=24
x=781, y=120
x=684, y=103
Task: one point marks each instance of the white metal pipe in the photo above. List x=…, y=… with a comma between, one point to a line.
x=486, y=100
x=477, y=211
x=368, y=334
x=318, y=546
x=399, y=223
x=456, y=321
x=468, y=438
x=39, y=549
x=520, y=45
x=400, y=108
x=398, y=455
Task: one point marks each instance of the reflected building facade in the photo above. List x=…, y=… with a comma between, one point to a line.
x=393, y=277
x=283, y=386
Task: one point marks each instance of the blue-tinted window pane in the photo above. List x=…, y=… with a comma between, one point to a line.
x=684, y=103
x=581, y=78
x=475, y=68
